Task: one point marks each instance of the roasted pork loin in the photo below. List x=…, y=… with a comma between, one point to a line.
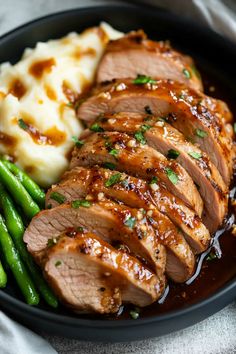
x=189, y=111
x=134, y=54
x=147, y=185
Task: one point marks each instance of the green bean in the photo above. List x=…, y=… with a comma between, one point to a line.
x=15, y=227
x=32, y=188
x=3, y=277
x=17, y=267
x=18, y=192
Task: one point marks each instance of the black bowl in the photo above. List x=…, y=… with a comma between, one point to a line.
x=218, y=56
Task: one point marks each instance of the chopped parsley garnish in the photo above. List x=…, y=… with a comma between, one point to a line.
x=114, y=152
x=187, y=73
x=211, y=256
x=201, y=133
x=142, y=79
x=139, y=137
x=153, y=180
x=109, y=165
x=78, y=203
x=135, y=313
x=235, y=128
x=96, y=128
x=113, y=180
x=70, y=104
x=51, y=242
x=173, y=177
x=145, y=127
x=77, y=142
x=59, y=198
x=80, y=229
x=130, y=222
x=22, y=124
x=57, y=263
x=147, y=110
x=173, y=154
x=49, y=206
x=195, y=155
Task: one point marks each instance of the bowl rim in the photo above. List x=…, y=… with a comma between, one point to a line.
x=228, y=287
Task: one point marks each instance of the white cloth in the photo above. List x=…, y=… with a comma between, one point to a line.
x=216, y=335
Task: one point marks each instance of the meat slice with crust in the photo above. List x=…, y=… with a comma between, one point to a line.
x=90, y=275
x=107, y=219
x=134, y=54
x=180, y=259
x=197, y=116
x=135, y=193
x=170, y=142
x=128, y=155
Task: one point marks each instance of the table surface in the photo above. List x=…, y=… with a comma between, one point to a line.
x=214, y=335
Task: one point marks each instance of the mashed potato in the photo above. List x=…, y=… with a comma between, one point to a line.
x=37, y=118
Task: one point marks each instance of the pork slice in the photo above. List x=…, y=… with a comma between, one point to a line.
x=170, y=142
x=138, y=160
x=134, y=54
x=109, y=220
x=180, y=259
x=90, y=275
x=187, y=110
x=136, y=193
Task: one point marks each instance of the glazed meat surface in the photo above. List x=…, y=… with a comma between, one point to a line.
x=116, y=276
x=138, y=160
x=81, y=183
x=189, y=111
x=134, y=54
x=114, y=223
x=134, y=192
x=170, y=142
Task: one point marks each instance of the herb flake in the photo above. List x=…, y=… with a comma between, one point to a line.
x=201, y=133
x=130, y=222
x=173, y=154
x=187, y=73
x=77, y=142
x=195, y=155
x=139, y=137
x=113, y=180
x=22, y=124
x=109, y=165
x=142, y=79
x=211, y=256
x=153, y=180
x=173, y=177
x=114, y=152
x=80, y=203
x=96, y=128
x=235, y=128
x=59, y=198
x=58, y=263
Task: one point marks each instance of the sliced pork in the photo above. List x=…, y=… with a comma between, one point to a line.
x=87, y=183
x=136, y=193
x=170, y=142
x=89, y=275
x=134, y=54
x=190, y=112
x=131, y=156
x=109, y=220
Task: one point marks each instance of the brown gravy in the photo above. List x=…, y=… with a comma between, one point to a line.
x=38, y=68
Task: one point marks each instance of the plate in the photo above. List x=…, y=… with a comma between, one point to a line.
x=213, y=53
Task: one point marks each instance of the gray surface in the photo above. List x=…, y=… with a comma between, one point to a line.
x=214, y=335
